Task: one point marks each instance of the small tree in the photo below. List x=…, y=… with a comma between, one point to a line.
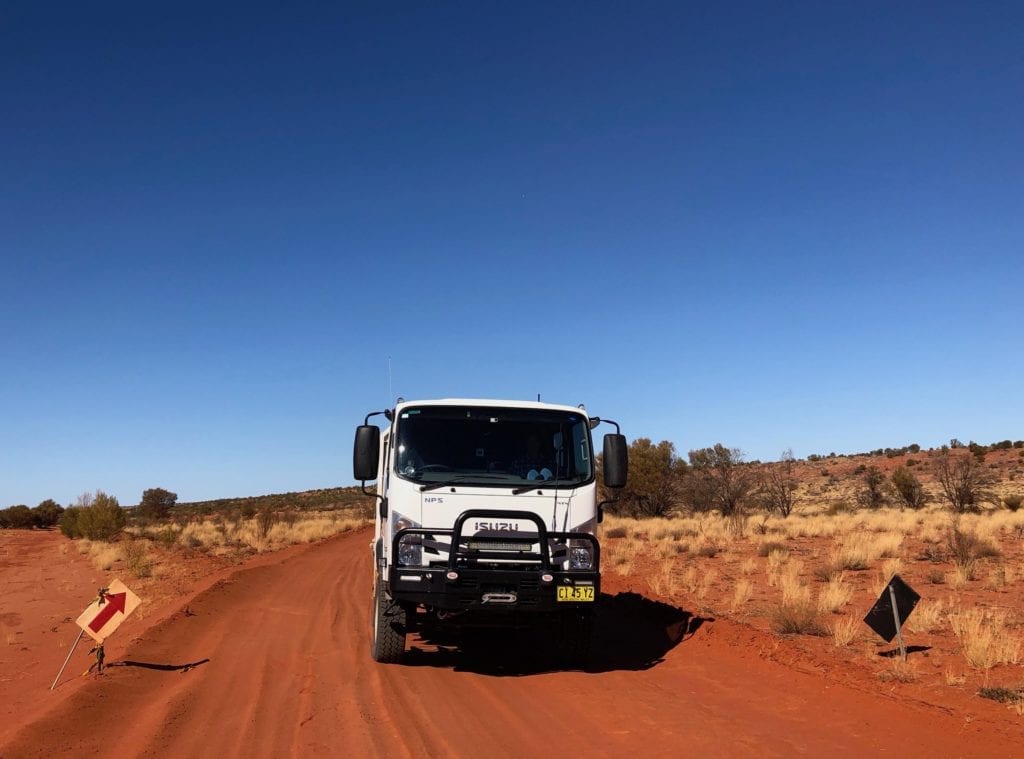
x=156, y=503
x=873, y=492
x=719, y=480
x=777, y=487
x=908, y=488
x=965, y=482
x=17, y=517
x=652, y=488
x=68, y=522
x=103, y=519
x=47, y=513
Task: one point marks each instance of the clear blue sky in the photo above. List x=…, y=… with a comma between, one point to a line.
x=767, y=225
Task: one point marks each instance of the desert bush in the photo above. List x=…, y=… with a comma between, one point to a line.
x=653, y=486
x=167, y=537
x=156, y=503
x=908, y=488
x=718, y=479
x=616, y=532
x=265, y=519
x=136, y=557
x=68, y=522
x=966, y=548
x=1013, y=502
x=799, y=618
x=103, y=519
x=965, y=483
x=1002, y=694
x=777, y=484
x=874, y=492
x=47, y=513
x=17, y=518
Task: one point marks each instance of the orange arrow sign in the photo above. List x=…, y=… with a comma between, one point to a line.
x=114, y=604
x=103, y=616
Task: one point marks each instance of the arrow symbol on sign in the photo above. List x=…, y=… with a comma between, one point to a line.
x=115, y=603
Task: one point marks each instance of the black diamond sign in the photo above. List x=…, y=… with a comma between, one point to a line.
x=880, y=618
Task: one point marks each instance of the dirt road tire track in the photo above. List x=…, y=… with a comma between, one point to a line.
x=290, y=673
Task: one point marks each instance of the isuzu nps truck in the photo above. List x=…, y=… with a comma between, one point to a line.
x=487, y=512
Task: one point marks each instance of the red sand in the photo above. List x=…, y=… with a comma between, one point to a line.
x=289, y=673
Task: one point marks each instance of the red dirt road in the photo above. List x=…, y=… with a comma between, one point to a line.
x=286, y=672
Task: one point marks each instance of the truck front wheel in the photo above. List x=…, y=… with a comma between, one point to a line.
x=574, y=636
x=388, y=644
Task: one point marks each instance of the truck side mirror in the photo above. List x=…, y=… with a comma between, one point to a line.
x=616, y=460
x=366, y=451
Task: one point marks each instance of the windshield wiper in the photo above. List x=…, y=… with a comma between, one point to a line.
x=538, y=484
x=457, y=480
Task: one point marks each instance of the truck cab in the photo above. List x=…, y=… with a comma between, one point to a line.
x=487, y=512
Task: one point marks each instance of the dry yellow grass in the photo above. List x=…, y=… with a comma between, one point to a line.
x=706, y=582
x=928, y=616
x=741, y=593
x=690, y=580
x=985, y=637
x=137, y=558
x=960, y=576
x=664, y=582
x=776, y=561
x=265, y=533
x=102, y=555
x=843, y=631
x=899, y=671
x=953, y=677
x=835, y=594
x=794, y=591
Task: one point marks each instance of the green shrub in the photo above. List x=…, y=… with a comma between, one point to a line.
x=17, y=518
x=156, y=503
x=47, y=513
x=68, y=522
x=1013, y=502
x=908, y=488
x=103, y=519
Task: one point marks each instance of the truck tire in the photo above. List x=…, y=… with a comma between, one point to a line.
x=574, y=638
x=388, y=634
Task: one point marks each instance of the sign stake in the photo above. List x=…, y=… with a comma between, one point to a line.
x=80, y=634
x=899, y=624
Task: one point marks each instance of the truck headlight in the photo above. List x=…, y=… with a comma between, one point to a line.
x=581, y=554
x=410, y=547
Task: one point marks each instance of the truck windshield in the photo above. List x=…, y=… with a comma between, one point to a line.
x=492, y=446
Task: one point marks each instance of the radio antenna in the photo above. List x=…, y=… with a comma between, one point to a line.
x=391, y=394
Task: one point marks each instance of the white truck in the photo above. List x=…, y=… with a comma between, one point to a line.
x=487, y=516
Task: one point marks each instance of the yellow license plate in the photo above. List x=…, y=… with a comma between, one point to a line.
x=578, y=593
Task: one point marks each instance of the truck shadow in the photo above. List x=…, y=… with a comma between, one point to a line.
x=631, y=632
